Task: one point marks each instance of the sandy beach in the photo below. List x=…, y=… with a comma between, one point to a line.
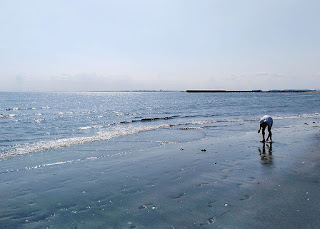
x=145, y=114
x=226, y=181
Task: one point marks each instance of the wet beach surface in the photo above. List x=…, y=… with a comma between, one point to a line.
x=195, y=177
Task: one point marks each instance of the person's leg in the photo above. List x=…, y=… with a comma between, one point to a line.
x=269, y=133
x=263, y=133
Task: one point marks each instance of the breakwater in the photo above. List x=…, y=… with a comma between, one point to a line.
x=250, y=91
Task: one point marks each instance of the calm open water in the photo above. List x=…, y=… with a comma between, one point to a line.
x=80, y=159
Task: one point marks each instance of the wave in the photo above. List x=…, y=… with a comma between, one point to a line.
x=153, y=119
x=89, y=127
x=25, y=108
x=64, y=162
x=315, y=115
x=118, y=131
x=251, y=119
x=148, y=119
x=67, y=142
x=7, y=115
x=123, y=130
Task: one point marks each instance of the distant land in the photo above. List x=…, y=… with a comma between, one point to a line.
x=224, y=91
x=254, y=91
x=138, y=91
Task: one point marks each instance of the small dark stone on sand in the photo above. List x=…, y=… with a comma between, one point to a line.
x=211, y=220
x=210, y=204
x=142, y=207
x=245, y=197
x=178, y=196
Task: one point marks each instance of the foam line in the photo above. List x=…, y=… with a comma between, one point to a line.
x=117, y=131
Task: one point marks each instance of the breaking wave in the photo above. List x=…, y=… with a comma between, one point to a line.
x=123, y=130
x=7, y=115
x=100, y=136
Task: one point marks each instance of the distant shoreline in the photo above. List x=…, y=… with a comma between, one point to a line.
x=252, y=91
x=165, y=91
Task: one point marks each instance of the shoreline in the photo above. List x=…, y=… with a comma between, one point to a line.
x=226, y=181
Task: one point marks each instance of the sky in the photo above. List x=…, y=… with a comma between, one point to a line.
x=108, y=45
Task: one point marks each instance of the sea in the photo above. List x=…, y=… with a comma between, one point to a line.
x=137, y=159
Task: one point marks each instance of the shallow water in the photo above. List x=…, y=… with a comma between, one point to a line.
x=142, y=160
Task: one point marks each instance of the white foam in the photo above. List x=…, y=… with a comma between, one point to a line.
x=102, y=135
x=117, y=131
x=315, y=115
x=6, y=115
x=67, y=142
x=69, y=161
x=90, y=127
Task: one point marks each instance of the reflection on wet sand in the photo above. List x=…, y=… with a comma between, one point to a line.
x=266, y=158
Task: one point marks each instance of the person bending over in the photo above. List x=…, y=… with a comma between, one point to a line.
x=266, y=121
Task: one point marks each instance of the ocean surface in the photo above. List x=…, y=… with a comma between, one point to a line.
x=133, y=159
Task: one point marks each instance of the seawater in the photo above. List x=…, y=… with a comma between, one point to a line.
x=32, y=122
x=83, y=159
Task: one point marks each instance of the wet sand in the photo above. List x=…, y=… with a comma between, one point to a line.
x=210, y=181
x=284, y=195
x=242, y=183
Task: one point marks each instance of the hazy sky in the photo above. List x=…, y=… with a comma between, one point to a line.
x=77, y=45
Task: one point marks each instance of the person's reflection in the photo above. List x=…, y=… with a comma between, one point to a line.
x=266, y=158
